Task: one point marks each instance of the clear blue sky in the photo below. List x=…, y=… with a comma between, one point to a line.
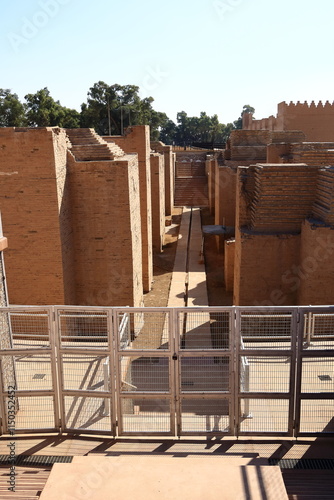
x=191, y=55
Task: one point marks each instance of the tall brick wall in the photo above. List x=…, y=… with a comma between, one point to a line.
x=283, y=196
x=137, y=140
x=314, y=277
x=315, y=120
x=158, y=200
x=211, y=166
x=106, y=231
x=31, y=200
x=284, y=243
x=60, y=144
x=229, y=254
x=262, y=261
x=226, y=181
x=169, y=169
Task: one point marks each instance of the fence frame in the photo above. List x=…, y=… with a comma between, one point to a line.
x=302, y=327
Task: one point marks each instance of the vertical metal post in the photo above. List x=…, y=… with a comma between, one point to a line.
x=3, y=415
x=298, y=370
x=235, y=342
x=116, y=374
x=53, y=359
x=176, y=338
x=110, y=382
x=58, y=363
x=172, y=368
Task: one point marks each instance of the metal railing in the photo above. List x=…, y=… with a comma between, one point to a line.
x=209, y=370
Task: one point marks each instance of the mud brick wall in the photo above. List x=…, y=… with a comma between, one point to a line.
x=324, y=204
x=315, y=120
x=283, y=196
x=314, y=276
x=137, y=140
x=169, y=169
x=226, y=184
x=158, y=200
x=31, y=200
x=211, y=166
x=106, y=232
x=261, y=263
x=229, y=253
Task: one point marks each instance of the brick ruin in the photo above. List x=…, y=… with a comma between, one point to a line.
x=83, y=213
x=316, y=121
x=276, y=188
x=77, y=210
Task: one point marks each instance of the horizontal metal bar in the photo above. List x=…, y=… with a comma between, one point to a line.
x=265, y=395
x=88, y=394
x=82, y=350
x=25, y=352
x=226, y=396
x=154, y=395
x=317, y=353
x=317, y=396
x=266, y=353
x=162, y=353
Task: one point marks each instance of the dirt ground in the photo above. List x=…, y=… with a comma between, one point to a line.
x=163, y=265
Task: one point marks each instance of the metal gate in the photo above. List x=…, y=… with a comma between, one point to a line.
x=315, y=372
x=163, y=371
x=266, y=370
x=28, y=378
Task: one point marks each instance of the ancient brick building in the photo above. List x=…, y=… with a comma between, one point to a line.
x=284, y=236
x=73, y=208
x=316, y=121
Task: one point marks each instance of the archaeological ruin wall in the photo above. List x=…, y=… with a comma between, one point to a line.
x=284, y=236
x=315, y=120
x=137, y=140
x=71, y=208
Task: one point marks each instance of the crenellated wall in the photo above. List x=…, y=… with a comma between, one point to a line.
x=315, y=120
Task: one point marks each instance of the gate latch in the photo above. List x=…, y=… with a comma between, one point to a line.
x=174, y=358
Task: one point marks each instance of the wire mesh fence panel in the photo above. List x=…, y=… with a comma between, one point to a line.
x=145, y=416
x=205, y=416
x=263, y=330
x=6, y=341
x=317, y=416
x=144, y=374
x=317, y=375
x=263, y=415
x=32, y=372
x=32, y=413
x=85, y=372
x=264, y=374
x=80, y=329
x=143, y=330
x=204, y=330
x=87, y=413
x=318, y=330
x=205, y=374
x=28, y=329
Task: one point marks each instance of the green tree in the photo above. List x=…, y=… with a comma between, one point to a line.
x=246, y=109
x=112, y=108
x=12, y=111
x=44, y=111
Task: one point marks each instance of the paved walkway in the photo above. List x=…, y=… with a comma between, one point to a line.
x=188, y=285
